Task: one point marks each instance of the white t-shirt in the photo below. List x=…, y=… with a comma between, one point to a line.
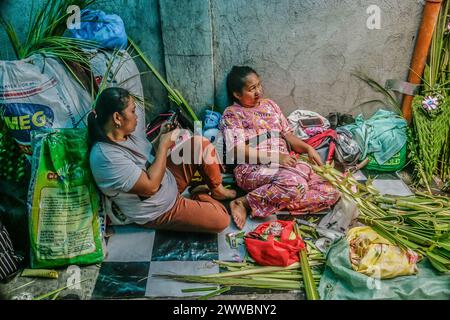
x=117, y=169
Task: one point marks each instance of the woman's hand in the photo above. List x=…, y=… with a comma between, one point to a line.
x=166, y=127
x=287, y=160
x=314, y=156
x=168, y=138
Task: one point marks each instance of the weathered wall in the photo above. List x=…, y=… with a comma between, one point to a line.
x=143, y=25
x=303, y=49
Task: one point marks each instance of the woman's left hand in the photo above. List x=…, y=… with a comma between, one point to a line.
x=314, y=156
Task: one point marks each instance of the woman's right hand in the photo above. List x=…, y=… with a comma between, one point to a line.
x=168, y=138
x=287, y=160
x=166, y=127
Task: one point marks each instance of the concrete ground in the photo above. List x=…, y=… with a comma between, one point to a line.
x=21, y=288
x=26, y=288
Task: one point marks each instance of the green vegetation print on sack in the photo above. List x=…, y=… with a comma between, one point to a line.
x=62, y=200
x=396, y=163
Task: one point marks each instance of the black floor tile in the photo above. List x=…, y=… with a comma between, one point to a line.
x=184, y=246
x=121, y=280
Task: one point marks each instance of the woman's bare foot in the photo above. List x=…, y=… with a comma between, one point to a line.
x=202, y=188
x=221, y=193
x=239, y=208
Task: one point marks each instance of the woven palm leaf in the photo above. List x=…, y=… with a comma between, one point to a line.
x=431, y=135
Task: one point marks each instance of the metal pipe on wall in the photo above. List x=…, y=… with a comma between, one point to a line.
x=419, y=59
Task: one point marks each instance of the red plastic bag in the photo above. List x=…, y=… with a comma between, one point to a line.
x=277, y=250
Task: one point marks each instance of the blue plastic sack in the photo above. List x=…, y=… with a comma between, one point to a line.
x=212, y=119
x=107, y=29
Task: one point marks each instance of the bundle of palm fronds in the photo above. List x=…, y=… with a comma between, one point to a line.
x=430, y=141
x=174, y=95
x=420, y=222
x=304, y=275
x=46, y=33
x=248, y=274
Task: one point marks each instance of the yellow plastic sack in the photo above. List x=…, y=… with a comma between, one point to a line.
x=374, y=256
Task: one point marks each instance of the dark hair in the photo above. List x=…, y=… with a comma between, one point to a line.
x=110, y=100
x=236, y=80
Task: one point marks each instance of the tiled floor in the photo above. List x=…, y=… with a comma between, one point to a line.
x=136, y=255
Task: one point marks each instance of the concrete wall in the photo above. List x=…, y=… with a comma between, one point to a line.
x=303, y=49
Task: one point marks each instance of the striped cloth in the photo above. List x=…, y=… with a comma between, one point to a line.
x=9, y=262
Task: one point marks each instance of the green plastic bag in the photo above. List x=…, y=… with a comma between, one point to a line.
x=396, y=163
x=63, y=203
x=340, y=282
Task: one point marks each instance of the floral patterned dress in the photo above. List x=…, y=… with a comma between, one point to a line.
x=273, y=187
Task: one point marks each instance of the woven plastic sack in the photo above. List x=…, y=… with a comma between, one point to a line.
x=396, y=163
x=38, y=92
x=274, y=243
x=62, y=201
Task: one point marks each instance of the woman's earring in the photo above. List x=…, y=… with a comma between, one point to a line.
x=117, y=125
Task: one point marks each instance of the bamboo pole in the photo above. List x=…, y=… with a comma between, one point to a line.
x=418, y=61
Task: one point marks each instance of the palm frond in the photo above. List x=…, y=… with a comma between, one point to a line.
x=45, y=36
x=370, y=101
x=173, y=94
x=45, y=32
x=12, y=35
x=390, y=98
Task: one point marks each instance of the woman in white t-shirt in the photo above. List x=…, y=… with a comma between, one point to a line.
x=147, y=189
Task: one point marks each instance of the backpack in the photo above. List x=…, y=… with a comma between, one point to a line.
x=9, y=261
x=347, y=149
x=324, y=143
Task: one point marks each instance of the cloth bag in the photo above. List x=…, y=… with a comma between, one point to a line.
x=274, y=243
x=382, y=135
